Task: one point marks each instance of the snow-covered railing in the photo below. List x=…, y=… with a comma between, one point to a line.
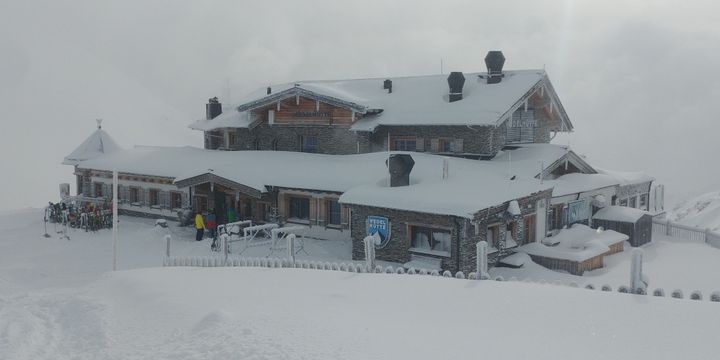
x=681, y=231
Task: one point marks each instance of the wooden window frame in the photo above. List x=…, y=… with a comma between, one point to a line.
x=173, y=195
x=292, y=207
x=429, y=231
x=309, y=148
x=405, y=140
x=329, y=213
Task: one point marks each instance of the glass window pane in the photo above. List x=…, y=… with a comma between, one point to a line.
x=441, y=241
x=421, y=240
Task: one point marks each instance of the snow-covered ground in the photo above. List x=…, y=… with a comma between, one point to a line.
x=702, y=211
x=58, y=300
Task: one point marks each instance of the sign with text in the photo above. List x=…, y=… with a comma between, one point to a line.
x=381, y=226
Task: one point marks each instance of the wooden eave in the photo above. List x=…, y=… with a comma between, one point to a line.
x=212, y=178
x=544, y=86
x=576, y=160
x=299, y=91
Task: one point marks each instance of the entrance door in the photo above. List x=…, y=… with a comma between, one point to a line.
x=541, y=212
x=220, y=207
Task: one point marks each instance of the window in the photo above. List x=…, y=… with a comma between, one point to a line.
x=436, y=241
x=134, y=195
x=624, y=202
x=493, y=235
x=232, y=138
x=98, y=189
x=445, y=145
x=300, y=208
x=643, y=201
x=333, y=212
x=405, y=143
x=154, y=197
x=175, y=200
x=633, y=202
x=309, y=144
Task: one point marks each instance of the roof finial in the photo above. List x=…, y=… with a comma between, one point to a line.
x=99, y=122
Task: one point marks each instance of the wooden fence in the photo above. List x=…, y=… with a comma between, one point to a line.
x=669, y=228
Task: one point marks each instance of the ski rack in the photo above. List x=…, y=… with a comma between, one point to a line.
x=279, y=243
x=233, y=229
x=250, y=235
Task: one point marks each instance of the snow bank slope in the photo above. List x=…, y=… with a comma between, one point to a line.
x=702, y=211
x=259, y=313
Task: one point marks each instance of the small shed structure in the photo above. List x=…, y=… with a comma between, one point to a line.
x=635, y=223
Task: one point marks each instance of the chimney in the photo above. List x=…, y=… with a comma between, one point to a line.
x=387, y=85
x=269, y=90
x=494, y=61
x=213, y=108
x=456, y=80
x=400, y=166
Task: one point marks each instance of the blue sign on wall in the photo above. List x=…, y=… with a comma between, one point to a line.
x=381, y=226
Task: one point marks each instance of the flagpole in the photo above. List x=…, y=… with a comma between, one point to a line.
x=114, y=218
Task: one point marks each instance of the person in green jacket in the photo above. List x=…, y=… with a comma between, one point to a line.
x=231, y=214
x=199, y=226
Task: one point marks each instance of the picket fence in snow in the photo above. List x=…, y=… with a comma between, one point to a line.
x=681, y=231
x=220, y=261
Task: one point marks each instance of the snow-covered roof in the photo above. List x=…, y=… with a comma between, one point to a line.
x=527, y=159
x=627, y=177
x=619, y=213
x=577, y=243
x=472, y=185
x=415, y=100
x=98, y=143
x=228, y=119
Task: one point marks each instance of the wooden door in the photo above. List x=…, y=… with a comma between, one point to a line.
x=530, y=223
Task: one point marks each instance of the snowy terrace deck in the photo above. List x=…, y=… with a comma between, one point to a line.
x=575, y=250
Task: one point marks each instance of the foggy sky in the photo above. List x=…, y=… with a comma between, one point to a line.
x=638, y=79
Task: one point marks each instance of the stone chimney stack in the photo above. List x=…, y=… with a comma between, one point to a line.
x=213, y=108
x=400, y=166
x=456, y=81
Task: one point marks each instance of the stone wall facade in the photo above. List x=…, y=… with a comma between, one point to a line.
x=477, y=140
x=465, y=233
x=332, y=139
x=398, y=248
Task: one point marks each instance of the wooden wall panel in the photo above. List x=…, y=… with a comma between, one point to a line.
x=307, y=112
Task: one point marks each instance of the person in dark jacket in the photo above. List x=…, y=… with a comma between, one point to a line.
x=212, y=223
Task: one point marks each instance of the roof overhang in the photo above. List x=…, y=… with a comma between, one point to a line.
x=299, y=91
x=207, y=178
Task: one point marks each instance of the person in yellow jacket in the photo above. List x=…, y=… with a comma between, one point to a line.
x=200, y=226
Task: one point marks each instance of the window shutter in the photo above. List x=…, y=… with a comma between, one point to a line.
x=457, y=145
x=434, y=145
x=420, y=144
x=313, y=210
x=344, y=215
